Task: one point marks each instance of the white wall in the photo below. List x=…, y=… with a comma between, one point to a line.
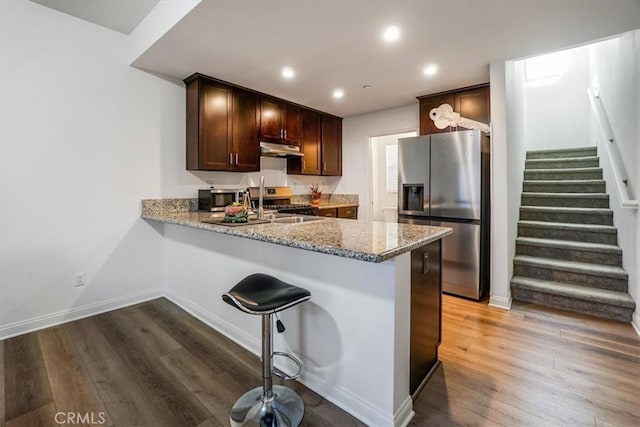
x=615, y=71
x=558, y=109
x=80, y=144
x=356, y=156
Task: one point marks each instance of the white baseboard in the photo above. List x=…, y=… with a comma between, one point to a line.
x=346, y=400
x=635, y=322
x=339, y=396
x=225, y=328
x=500, y=302
x=404, y=414
x=64, y=316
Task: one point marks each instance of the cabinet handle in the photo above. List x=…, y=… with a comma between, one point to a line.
x=285, y=134
x=425, y=263
x=304, y=165
x=324, y=167
x=280, y=133
x=230, y=158
x=236, y=158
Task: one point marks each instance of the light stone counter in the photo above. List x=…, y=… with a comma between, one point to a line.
x=353, y=336
x=361, y=240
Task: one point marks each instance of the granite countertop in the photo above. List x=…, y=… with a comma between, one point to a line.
x=361, y=240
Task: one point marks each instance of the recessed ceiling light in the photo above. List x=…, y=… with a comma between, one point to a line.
x=391, y=33
x=430, y=70
x=287, y=72
x=338, y=93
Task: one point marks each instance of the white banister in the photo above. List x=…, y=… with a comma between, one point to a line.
x=621, y=178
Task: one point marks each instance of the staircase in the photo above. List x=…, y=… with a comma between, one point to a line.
x=567, y=253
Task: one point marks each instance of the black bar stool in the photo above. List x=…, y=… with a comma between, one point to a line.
x=269, y=405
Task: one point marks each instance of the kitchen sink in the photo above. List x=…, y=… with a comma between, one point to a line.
x=295, y=219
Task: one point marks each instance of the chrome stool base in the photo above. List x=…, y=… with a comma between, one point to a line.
x=285, y=409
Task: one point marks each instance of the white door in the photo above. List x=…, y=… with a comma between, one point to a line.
x=384, y=171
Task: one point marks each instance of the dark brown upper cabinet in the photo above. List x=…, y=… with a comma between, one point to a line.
x=246, y=131
x=222, y=127
x=331, y=145
x=321, y=143
x=470, y=102
x=226, y=123
x=280, y=122
x=310, y=133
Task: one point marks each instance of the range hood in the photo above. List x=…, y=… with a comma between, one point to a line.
x=268, y=149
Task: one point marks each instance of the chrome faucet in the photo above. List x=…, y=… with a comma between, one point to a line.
x=260, y=196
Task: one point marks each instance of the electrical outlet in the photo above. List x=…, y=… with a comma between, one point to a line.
x=81, y=279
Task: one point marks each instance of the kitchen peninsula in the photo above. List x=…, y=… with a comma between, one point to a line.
x=354, y=335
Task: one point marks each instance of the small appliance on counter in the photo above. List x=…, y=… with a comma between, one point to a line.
x=215, y=199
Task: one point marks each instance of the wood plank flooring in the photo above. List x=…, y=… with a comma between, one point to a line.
x=153, y=364
x=531, y=366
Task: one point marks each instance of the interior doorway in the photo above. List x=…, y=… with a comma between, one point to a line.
x=384, y=176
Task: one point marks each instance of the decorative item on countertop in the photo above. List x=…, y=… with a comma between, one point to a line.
x=236, y=213
x=315, y=194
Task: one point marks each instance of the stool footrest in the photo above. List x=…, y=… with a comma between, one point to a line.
x=281, y=374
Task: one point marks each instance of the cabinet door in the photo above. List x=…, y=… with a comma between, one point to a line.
x=474, y=104
x=328, y=212
x=271, y=121
x=426, y=313
x=331, y=146
x=246, y=131
x=214, y=148
x=291, y=124
x=310, y=140
x=349, y=212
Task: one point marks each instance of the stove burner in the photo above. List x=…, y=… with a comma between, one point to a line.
x=289, y=206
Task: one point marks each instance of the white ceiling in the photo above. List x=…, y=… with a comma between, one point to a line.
x=119, y=15
x=337, y=43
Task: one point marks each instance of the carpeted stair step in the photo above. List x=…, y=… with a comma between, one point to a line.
x=597, y=302
x=563, y=174
x=560, y=186
x=571, y=215
x=562, y=153
x=566, y=231
x=595, y=253
x=563, y=163
x=576, y=273
x=567, y=200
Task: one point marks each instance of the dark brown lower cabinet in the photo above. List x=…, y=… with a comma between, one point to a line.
x=426, y=313
x=349, y=212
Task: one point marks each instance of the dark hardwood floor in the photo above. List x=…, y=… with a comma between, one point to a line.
x=154, y=365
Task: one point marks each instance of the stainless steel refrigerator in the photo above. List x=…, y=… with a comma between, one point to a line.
x=443, y=180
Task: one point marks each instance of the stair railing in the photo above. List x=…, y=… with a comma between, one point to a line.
x=623, y=184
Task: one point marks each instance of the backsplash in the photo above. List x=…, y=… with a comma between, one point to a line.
x=328, y=199
x=154, y=206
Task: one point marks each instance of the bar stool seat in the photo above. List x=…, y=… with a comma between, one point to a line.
x=263, y=294
x=269, y=405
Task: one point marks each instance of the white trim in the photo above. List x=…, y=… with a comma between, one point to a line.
x=635, y=322
x=339, y=396
x=500, y=302
x=225, y=328
x=346, y=400
x=75, y=313
x=404, y=414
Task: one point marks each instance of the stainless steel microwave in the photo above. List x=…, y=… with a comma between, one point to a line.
x=215, y=200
